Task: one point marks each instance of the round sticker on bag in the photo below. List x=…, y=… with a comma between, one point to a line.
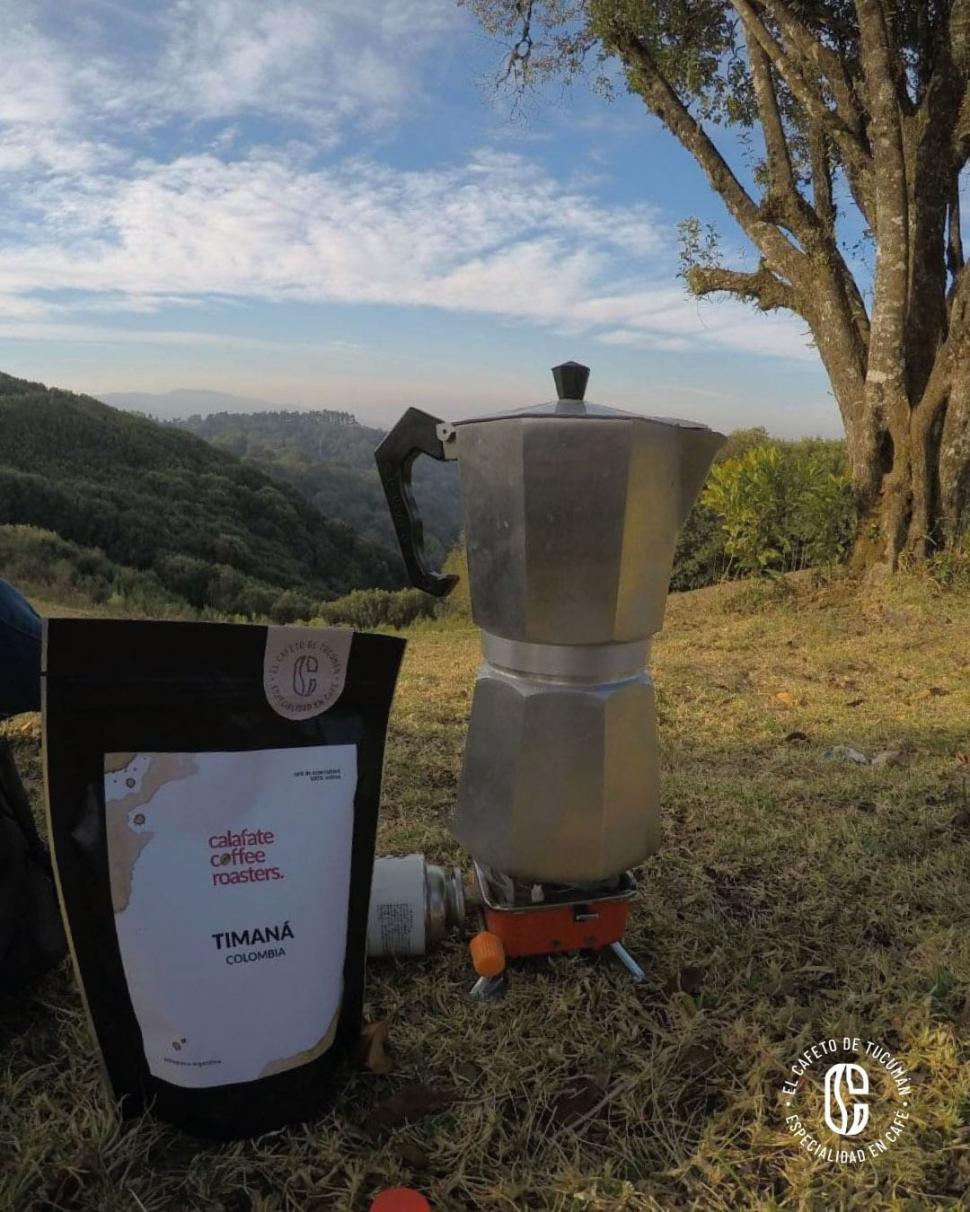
x=304, y=669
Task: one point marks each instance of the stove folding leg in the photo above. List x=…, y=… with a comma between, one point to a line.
x=628, y=962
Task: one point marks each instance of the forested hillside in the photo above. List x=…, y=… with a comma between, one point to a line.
x=329, y=457
x=210, y=529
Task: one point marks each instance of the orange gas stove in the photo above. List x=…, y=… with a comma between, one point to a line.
x=542, y=919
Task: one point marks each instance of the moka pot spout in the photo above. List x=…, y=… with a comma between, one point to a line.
x=697, y=450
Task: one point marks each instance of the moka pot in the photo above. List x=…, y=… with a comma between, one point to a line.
x=571, y=513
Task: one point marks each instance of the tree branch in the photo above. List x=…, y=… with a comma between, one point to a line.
x=959, y=40
x=844, y=125
x=810, y=99
x=781, y=178
x=954, y=349
x=763, y=288
x=521, y=53
x=815, y=283
x=955, y=259
x=962, y=132
x=958, y=300
x=821, y=59
x=818, y=152
x=782, y=257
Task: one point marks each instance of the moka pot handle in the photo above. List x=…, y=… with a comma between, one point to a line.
x=416, y=433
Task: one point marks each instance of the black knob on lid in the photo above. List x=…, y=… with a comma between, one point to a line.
x=571, y=379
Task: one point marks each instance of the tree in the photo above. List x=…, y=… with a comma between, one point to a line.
x=863, y=108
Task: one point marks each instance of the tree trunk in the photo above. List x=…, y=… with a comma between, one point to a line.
x=954, y=457
x=911, y=466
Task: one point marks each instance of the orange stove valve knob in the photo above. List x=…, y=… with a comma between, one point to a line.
x=488, y=954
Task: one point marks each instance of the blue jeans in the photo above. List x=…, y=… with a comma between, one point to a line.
x=19, y=653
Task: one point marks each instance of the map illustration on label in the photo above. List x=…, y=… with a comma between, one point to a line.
x=230, y=880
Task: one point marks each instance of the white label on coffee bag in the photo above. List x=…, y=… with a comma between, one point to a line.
x=230, y=879
x=304, y=669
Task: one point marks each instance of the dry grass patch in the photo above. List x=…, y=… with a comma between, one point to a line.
x=795, y=898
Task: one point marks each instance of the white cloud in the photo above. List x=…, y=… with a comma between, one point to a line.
x=38, y=110
x=644, y=340
x=494, y=236
x=33, y=86
x=98, y=334
x=70, y=74
x=497, y=235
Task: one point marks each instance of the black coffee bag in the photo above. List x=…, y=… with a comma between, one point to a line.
x=213, y=793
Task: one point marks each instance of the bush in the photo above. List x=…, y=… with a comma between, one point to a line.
x=700, y=558
x=365, y=609
x=950, y=568
x=783, y=506
x=43, y=564
x=291, y=607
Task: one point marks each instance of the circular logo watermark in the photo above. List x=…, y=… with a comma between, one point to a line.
x=847, y=1101
x=304, y=669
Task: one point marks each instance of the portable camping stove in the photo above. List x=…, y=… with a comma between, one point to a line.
x=543, y=919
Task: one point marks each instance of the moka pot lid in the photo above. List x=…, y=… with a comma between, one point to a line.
x=571, y=379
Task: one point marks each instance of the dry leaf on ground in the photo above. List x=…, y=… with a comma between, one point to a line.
x=411, y=1103
x=577, y=1100
x=411, y=1153
x=687, y=980
x=372, y=1048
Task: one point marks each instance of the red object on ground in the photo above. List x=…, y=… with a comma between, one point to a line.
x=400, y=1199
x=488, y=954
x=541, y=930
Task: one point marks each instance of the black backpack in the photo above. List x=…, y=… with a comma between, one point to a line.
x=31, y=934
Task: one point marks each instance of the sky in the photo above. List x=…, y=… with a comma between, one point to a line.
x=324, y=204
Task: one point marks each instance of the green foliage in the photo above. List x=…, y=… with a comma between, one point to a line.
x=750, y=496
x=458, y=603
x=103, y=506
x=47, y=566
x=783, y=506
x=950, y=567
x=212, y=531
x=824, y=515
x=699, y=246
x=700, y=558
x=366, y=609
x=328, y=457
x=740, y=441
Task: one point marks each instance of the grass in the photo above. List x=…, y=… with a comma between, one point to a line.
x=795, y=899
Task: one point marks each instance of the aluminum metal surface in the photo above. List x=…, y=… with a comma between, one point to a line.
x=590, y=662
x=575, y=408
x=624, y=889
x=413, y=905
x=628, y=962
x=559, y=781
x=445, y=901
x=571, y=523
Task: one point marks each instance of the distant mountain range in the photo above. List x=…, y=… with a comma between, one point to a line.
x=196, y=523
